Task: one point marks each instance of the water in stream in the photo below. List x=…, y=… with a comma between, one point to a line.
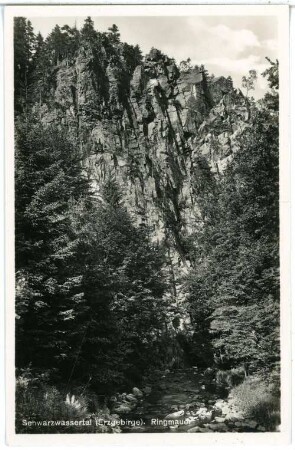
x=180, y=390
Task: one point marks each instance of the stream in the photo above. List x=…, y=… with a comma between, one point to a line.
x=182, y=401
x=179, y=390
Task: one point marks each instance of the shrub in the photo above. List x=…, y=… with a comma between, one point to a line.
x=36, y=401
x=222, y=378
x=230, y=378
x=259, y=400
x=237, y=376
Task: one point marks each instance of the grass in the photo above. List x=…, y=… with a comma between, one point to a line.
x=259, y=400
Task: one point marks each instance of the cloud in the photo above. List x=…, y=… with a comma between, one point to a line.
x=270, y=44
x=236, y=40
x=238, y=65
x=262, y=83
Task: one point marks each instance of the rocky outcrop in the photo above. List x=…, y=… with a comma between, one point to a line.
x=155, y=132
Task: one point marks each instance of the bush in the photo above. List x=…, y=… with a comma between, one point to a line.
x=40, y=403
x=259, y=400
x=237, y=376
x=229, y=378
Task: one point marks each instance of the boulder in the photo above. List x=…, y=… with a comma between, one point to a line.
x=195, y=430
x=221, y=427
x=219, y=419
x=122, y=408
x=175, y=415
x=204, y=414
x=174, y=408
x=239, y=424
x=246, y=424
x=191, y=419
x=251, y=424
x=137, y=392
x=217, y=411
x=234, y=414
x=220, y=403
x=131, y=398
x=226, y=411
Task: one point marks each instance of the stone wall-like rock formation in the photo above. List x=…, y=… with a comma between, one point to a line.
x=152, y=133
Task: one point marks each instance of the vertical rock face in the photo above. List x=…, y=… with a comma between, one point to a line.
x=152, y=131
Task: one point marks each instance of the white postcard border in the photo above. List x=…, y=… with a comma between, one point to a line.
x=180, y=439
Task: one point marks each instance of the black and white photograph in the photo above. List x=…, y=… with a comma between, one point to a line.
x=146, y=186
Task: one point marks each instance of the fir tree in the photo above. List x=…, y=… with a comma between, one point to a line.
x=24, y=48
x=48, y=181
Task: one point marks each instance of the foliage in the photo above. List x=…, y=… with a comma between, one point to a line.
x=226, y=379
x=259, y=400
x=42, y=408
x=271, y=99
x=272, y=75
x=114, y=34
x=133, y=57
x=185, y=65
x=48, y=179
x=234, y=286
x=24, y=47
x=89, y=284
x=248, y=83
x=123, y=287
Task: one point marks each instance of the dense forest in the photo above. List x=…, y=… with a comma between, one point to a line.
x=146, y=231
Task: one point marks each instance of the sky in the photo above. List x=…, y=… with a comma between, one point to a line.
x=226, y=45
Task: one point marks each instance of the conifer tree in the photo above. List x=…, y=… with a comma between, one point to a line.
x=114, y=34
x=123, y=290
x=48, y=182
x=24, y=47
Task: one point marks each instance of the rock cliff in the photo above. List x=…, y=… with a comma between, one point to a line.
x=154, y=130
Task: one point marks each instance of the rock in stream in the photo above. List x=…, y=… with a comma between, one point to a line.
x=178, y=402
